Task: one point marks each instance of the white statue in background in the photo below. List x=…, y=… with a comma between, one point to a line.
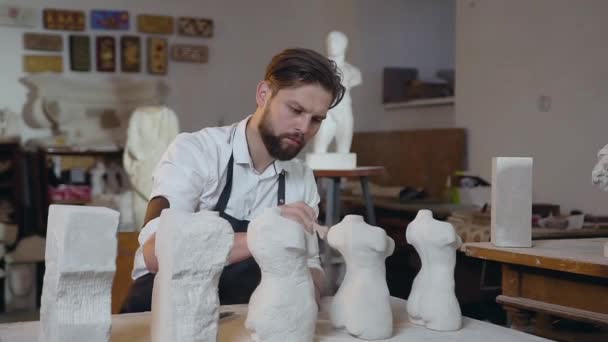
x=151, y=130
x=362, y=304
x=282, y=307
x=339, y=122
x=432, y=301
x=599, y=175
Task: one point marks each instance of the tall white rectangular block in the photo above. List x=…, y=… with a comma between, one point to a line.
x=192, y=250
x=511, y=202
x=80, y=265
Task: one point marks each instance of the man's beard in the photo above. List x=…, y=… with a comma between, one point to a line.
x=274, y=143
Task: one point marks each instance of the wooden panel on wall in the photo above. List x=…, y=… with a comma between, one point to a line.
x=157, y=56
x=130, y=54
x=80, y=53
x=195, y=27
x=39, y=63
x=158, y=24
x=42, y=42
x=419, y=158
x=56, y=19
x=106, y=54
x=109, y=20
x=189, y=53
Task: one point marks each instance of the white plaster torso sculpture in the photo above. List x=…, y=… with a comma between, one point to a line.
x=151, y=130
x=282, y=307
x=362, y=303
x=599, y=175
x=432, y=301
x=339, y=122
x=192, y=250
x=80, y=265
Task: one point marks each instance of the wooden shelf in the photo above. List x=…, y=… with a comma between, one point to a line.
x=70, y=202
x=440, y=101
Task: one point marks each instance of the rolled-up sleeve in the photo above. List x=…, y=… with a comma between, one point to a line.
x=177, y=176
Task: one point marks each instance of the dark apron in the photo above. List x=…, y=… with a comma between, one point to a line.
x=237, y=281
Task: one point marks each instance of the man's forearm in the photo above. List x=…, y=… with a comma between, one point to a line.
x=239, y=251
x=150, y=255
x=318, y=279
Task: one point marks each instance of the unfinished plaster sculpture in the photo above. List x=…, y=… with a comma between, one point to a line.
x=80, y=265
x=339, y=122
x=362, y=304
x=511, y=202
x=151, y=130
x=282, y=307
x=599, y=175
x=192, y=250
x=432, y=301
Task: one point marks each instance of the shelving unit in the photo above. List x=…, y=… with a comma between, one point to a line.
x=440, y=101
x=11, y=190
x=42, y=159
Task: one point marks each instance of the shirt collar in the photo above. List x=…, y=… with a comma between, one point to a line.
x=240, y=149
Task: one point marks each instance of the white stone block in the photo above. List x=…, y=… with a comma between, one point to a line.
x=80, y=265
x=192, y=250
x=511, y=202
x=362, y=304
x=331, y=161
x=282, y=307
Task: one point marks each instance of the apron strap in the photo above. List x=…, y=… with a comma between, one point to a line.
x=281, y=194
x=225, y=195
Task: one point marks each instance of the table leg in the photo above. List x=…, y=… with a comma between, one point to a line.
x=369, y=204
x=519, y=319
x=336, y=199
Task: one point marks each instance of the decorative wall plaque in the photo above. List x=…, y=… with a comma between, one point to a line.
x=80, y=53
x=56, y=19
x=195, y=27
x=157, y=56
x=189, y=53
x=42, y=42
x=17, y=16
x=158, y=24
x=109, y=20
x=130, y=54
x=38, y=63
x=106, y=54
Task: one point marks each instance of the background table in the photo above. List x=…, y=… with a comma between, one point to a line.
x=566, y=278
x=332, y=204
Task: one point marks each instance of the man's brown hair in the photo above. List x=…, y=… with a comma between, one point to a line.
x=295, y=67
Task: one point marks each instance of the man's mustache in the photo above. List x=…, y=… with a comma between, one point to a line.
x=299, y=137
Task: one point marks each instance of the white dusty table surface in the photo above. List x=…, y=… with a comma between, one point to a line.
x=136, y=328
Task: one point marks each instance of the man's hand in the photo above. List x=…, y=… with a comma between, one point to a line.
x=301, y=213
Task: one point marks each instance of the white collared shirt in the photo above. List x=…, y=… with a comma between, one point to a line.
x=193, y=171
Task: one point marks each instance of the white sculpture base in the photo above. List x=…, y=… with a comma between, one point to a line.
x=606, y=249
x=331, y=161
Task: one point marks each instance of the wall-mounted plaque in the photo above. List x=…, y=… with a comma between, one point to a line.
x=157, y=56
x=80, y=53
x=42, y=42
x=158, y=24
x=130, y=54
x=109, y=20
x=106, y=54
x=189, y=53
x=39, y=63
x=195, y=27
x=56, y=19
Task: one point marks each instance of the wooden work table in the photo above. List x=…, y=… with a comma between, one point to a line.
x=565, y=278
